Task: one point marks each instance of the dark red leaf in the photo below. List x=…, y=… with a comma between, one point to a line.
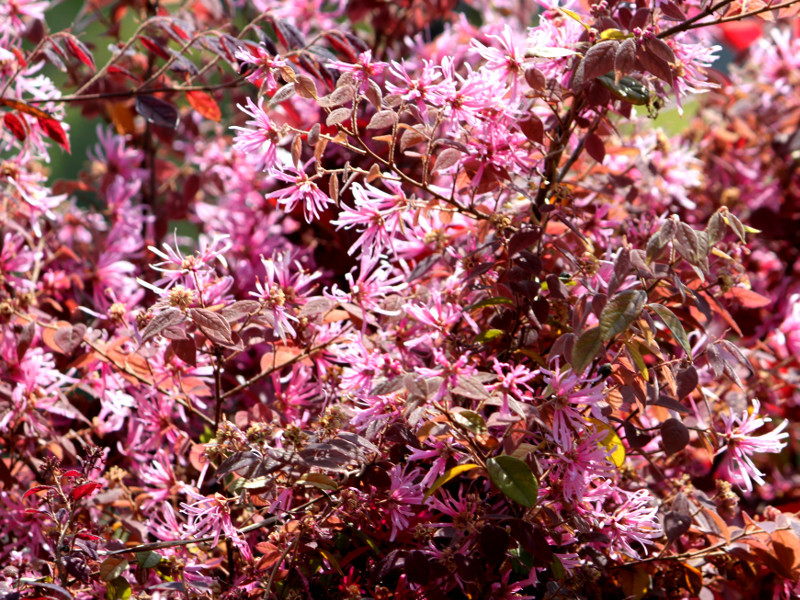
x=625, y=60
x=154, y=47
x=186, y=350
x=640, y=19
x=417, y=567
x=55, y=132
x=522, y=240
x=79, y=50
x=157, y=111
x=535, y=79
x=672, y=11
x=686, y=381
x=16, y=125
x=599, y=60
x=288, y=34
x=84, y=490
x=595, y=147
x=342, y=45
x=24, y=339
x=533, y=128
x=35, y=489
x=659, y=48
x=654, y=64
x=117, y=70
x=636, y=439
x=675, y=525
x=179, y=31
x=674, y=436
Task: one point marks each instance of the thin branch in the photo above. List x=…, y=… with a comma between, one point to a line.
x=690, y=23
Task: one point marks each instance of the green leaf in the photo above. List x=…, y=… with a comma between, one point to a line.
x=448, y=475
x=495, y=301
x=585, y=349
x=488, y=335
x=148, y=560
x=471, y=421
x=118, y=589
x=638, y=359
x=557, y=568
x=514, y=478
x=620, y=312
x=673, y=324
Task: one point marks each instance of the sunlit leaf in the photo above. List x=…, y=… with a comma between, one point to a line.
x=448, y=476
x=611, y=442
x=514, y=478
x=673, y=324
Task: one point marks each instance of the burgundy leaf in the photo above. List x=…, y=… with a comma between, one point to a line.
x=625, y=60
x=672, y=11
x=289, y=35
x=215, y=327
x=79, y=50
x=622, y=267
x=238, y=461
x=675, y=525
x=640, y=19
x=686, y=381
x=674, y=436
x=240, y=309
x=636, y=439
x=533, y=128
x=535, y=79
x=446, y=159
x=154, y=47
x=522, y=240
x=654, y=64
x=659, y=48
x=186, y=350
x=599, y=60
x=669, y=403
x=157, y=111
x=417, y=567
x=595, y=147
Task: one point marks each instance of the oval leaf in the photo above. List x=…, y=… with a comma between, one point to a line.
x=585, y=349
x=204, y=104
x=674, y=436
x=157, y=111
x=514, y=478
x=674, y=325
x=214, y=326
x=620, y=312
x=471, y=421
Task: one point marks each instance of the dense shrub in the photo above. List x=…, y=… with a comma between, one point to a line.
x=399, y=300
